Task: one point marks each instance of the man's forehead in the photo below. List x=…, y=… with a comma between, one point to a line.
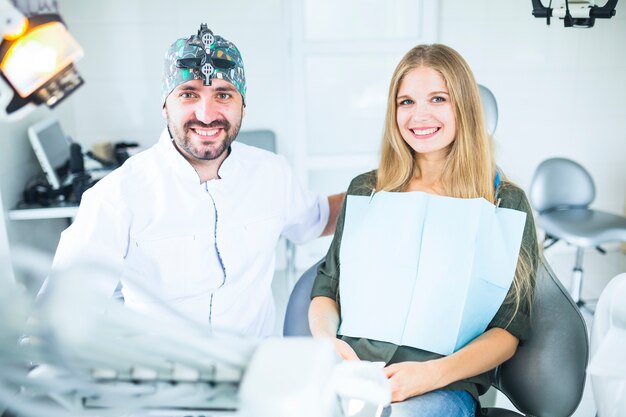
x=198, y=85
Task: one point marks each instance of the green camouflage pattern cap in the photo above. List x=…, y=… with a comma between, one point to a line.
x=203, y=56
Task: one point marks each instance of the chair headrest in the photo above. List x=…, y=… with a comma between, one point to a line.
x=490, y=108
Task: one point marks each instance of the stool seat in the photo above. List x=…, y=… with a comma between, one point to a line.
x=584, y=227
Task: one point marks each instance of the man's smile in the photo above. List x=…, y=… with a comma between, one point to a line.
x=206, y=132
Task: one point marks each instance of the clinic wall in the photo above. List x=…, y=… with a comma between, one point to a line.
x=6, y=272
x=561, y=91
x=18, y=166
x=125, y=42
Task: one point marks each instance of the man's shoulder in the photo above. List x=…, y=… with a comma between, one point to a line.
x=259, y=162
x=134, y=174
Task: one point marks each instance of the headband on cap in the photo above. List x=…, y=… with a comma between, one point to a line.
x=203, y=56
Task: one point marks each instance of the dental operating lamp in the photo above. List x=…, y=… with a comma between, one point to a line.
x=37, y=55
x=575, y=13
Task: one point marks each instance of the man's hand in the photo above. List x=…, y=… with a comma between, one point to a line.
x=409, y=379
x=335, y=202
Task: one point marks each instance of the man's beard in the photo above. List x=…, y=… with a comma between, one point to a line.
x=185, y=143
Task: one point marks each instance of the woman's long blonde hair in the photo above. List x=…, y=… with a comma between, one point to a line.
x=469, y=169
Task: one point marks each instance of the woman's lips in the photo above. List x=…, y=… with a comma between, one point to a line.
x=425, y=133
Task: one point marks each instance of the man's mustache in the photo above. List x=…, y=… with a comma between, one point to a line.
x=223, y=123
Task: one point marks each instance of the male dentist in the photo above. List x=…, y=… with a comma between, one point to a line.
x=195, y=219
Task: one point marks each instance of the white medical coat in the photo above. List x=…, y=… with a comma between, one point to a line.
x=206, y=249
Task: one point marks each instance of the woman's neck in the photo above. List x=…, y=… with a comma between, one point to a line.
x=428, y=178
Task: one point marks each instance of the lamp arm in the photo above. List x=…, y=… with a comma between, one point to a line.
x=13, y=13
x=31, y=8
x=11, y=19
x=539, y=10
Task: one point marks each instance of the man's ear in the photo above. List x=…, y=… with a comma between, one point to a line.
x=243, y=112
x=164, y=112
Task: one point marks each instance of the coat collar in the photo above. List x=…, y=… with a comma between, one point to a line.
x=183, y=168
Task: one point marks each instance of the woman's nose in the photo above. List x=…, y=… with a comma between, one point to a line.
x=421, y=112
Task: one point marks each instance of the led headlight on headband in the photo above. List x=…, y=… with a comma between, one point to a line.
x=204, y=58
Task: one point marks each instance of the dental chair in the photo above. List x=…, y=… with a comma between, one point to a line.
x=261, y=138
x=490, y=108
x=561, y=192
x=608, y=338
x=545, y=377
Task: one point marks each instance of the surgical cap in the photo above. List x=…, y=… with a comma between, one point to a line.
x=203, y=56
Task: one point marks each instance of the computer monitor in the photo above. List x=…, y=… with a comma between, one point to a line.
x=51, y=147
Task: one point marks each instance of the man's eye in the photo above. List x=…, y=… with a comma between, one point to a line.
x=438, y=99
x=224, y=96
x=186, y=95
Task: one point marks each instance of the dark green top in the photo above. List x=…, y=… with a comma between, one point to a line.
x=327, y=284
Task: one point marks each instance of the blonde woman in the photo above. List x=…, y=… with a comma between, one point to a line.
x=434, y=141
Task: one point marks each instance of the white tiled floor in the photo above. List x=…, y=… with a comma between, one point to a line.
x=598, y=271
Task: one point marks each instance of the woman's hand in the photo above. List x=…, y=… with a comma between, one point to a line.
x=409, y=379
x=324, y=321
x=487, y=351
x=345, y=350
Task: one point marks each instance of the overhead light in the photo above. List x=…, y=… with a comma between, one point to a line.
x=575, y=13
x=37, y=58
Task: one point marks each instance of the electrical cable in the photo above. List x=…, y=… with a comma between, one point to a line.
x=568, y=20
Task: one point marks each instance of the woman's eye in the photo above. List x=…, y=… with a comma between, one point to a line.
x=405, y=102
x=438, y=99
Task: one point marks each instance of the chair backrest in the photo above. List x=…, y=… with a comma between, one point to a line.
x=561, y=183
x=608, y=379
x=262, y=138
x=546, y=376
x=490, y=108
x=296, y=317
